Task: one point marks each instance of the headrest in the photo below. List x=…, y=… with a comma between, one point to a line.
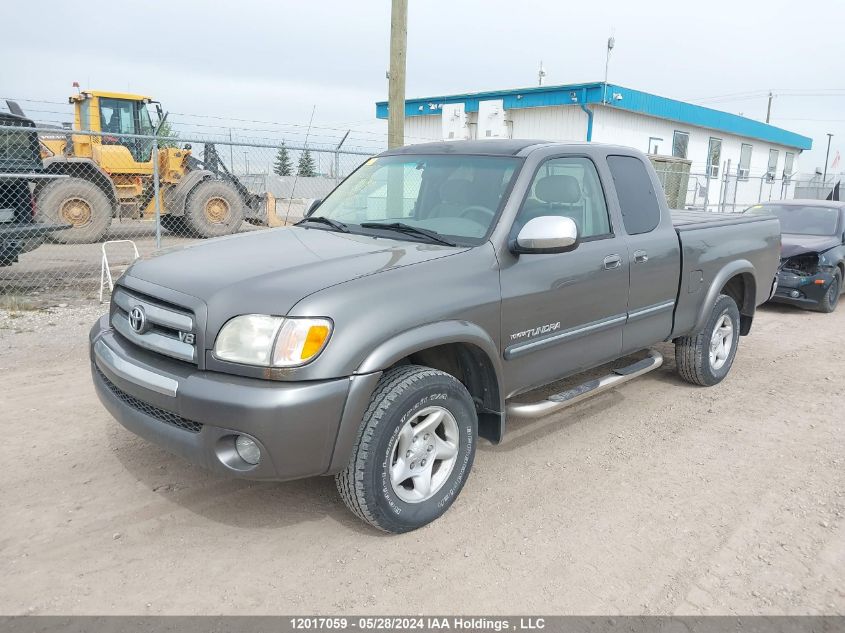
x=457, y=191
x=558, y=189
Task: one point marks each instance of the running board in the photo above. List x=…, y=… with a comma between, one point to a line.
x=585, y=390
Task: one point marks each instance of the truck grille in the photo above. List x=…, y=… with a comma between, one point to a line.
x=165, y=417
x=155, y=325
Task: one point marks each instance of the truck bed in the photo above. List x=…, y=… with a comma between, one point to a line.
x=689, y=220
x=710, y=244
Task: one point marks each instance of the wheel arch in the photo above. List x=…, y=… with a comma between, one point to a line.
x=459, y=348
x=737, y=280
x=177, y=197
x=84, y=169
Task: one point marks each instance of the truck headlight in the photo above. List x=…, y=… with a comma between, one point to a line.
x=258, y=339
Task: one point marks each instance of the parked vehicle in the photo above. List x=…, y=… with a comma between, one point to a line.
x=110, y=174
x=20, y=169
x=812, y=264
x=381, y=337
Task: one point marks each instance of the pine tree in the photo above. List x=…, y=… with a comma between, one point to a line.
x=306, y=165
x=282, y=166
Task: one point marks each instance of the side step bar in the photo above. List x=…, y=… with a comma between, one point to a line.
x=585, y=390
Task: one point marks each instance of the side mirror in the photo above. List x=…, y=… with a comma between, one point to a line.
x=546, y=234
x=313, y=206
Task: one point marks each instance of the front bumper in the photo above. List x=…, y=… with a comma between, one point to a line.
x=197, y=414
x=802, y=290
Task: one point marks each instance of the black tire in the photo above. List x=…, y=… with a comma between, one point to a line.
x=214, y=209
x=175, y=225
x=831, y=298
x=78, y=202
x=365, y=485
x=692, y=353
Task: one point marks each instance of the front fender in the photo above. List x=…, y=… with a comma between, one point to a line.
x=430, y=335
x=177, y=197
x=478, y=357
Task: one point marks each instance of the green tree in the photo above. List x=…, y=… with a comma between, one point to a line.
x=282, y=166
x=166, y=134
x=306, y=165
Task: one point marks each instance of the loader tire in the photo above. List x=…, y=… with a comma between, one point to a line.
x=214, y=209
x=77, y=202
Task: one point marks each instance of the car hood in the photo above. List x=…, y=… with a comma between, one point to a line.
x=794, y=244
x=268, y=272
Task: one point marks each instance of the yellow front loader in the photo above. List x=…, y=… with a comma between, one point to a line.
x=110, y=175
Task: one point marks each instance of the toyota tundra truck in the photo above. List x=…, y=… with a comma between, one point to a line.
x=393, y=327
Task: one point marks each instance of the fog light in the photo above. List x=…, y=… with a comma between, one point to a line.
x=794, y=294
x=247, y=449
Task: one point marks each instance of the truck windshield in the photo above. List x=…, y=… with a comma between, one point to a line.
x=455, y=196
x=801, y=219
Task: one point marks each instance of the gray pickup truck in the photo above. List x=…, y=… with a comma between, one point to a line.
x=387, y=332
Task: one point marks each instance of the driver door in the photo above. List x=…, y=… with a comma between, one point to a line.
x=564, y=312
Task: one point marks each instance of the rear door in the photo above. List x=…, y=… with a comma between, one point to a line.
x=651, y=246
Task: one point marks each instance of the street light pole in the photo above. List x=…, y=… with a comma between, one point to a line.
x=396, y=74
x=826, y=157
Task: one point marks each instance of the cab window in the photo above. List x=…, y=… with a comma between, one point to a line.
x=637, y=200
x=117, y=116
x=568, y=187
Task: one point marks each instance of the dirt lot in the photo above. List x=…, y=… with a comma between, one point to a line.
x=655, y=498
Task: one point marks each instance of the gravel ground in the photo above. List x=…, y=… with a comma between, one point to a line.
x=654, y=498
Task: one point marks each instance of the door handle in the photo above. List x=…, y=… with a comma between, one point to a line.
x=612, y=261
x=640, y=257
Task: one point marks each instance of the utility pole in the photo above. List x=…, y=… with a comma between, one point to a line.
x=611, y=42
x=826, y=156
x=769, y=108
x=396, y=75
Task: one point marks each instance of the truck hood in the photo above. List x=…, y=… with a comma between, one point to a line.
x=268, y=272
x=794, y=244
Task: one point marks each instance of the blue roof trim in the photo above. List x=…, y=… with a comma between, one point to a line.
x=632, y=100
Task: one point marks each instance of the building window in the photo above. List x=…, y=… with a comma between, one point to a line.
x=680, y=144
x=772, y=169
x=744, y=161
x=654, y=145
x=788, y=167
x=714, y=157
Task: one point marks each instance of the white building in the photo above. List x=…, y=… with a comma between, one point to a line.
x=761, y=160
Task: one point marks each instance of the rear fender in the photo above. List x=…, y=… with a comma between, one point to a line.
x=732, y=269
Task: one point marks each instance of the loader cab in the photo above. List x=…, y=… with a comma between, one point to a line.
x=117, y=116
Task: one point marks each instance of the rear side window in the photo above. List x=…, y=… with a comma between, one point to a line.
x=640, y=209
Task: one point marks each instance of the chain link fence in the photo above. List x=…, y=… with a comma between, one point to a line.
x=732, y=190
x=77, y=207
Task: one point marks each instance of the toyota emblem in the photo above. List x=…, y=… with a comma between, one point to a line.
x=138, y=319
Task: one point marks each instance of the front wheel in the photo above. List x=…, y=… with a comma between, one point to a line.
x=831, y=297
x=413, y=452
x=214, y=209
x=706, y=358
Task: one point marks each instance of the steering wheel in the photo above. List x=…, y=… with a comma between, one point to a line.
x=487, y=214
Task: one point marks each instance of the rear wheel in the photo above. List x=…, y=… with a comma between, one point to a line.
x=706, y=358
x=214, y=209
x=77, y=202
x=831, y=298
x=414, y=450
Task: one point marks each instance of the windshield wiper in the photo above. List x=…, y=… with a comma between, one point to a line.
x=337, y=226
x=401, y=227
